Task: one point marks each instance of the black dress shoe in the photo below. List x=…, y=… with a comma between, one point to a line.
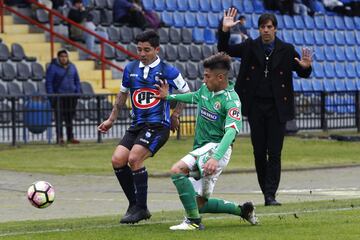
x=137, y=214
x=270, y=201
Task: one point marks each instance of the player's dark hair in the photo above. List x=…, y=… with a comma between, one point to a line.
x=264, y=18
x=218, y=61
x=149, y=36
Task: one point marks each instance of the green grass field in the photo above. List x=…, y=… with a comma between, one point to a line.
x=92, y=158
x=311, y=220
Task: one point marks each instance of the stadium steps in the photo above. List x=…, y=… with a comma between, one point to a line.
x=35, y=45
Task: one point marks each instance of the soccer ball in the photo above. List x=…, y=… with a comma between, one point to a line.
x=41, y=194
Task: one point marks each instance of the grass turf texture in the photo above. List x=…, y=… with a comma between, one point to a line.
x=308, y=220
x=93, y=158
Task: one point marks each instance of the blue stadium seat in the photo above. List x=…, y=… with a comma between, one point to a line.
x=340, y=70
x=329, y=37
x=297, y=85
x=179, y=19
x=340, y=54
x=171, y=5
x=226, y=4
x=167, y=18
x=329, y=85
x=350, y=85
x=193, y=5
x=204, y=5
x=183, y=52
x=298, y=37
x=190, y=20
x=319, y=54
x=213, y=19
x=329, y=70
x=280, y=21
x=357, y=52
x=299, y=22
x=319, y=22
x=309, y=37
x=209, y=36
x=159, y=5
x=350, y=54
x=329, y=53
x=340, y=85
x=148, y=5
x=357, y=22
x=306, y=85
x=182, y=5
x=329, y=22
x=287, y=36
x=309, y=22
x=350, y=38
x=340, y=38
x=279, y=34
x=201, y=19
x=349, y=23
x=198, y=35
x=317, y=85
x=357, y=36
x=254, y=20
x=289, y=22
x=258, y=6
x=357, y=66
x=350, y=70
x=248, y=6
x=254, y=33
x=215, y=5
x=238, y=5
x=318, y=70
x=339, y=22
x=319, y=37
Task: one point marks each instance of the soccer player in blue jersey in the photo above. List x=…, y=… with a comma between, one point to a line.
x=151, y=123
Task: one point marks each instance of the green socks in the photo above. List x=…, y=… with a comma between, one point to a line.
x=214, y=205
x=187, y=195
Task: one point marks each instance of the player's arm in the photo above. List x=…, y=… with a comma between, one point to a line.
x=119, y=103
x=190, y=97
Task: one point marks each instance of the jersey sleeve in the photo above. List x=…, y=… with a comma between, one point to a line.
x=190, y=97
x=125, y=85
x=233, y=115
x=175, y=79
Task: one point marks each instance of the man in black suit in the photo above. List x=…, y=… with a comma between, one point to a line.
x=265, y=87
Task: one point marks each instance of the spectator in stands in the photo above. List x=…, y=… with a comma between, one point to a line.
x=337, y=6
x=284, y=6
x=78, y=14
x=58, y=4
x=128, y=12
x=265, y=87
x=62, y=78
x=89, y=38
x=300, y=8
x=238, y=33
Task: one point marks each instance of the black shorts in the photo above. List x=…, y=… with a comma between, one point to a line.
x=151, y=136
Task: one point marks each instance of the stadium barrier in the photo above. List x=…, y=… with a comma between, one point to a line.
x=26, y=119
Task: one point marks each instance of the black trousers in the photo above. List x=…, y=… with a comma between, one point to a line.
x=267, y=136
x=64, y=109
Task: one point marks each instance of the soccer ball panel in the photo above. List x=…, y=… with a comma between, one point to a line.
x=41, y=194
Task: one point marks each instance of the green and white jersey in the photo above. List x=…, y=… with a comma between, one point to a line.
x=216, y=112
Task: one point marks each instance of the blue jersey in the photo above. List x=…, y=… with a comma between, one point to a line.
x=139, y=80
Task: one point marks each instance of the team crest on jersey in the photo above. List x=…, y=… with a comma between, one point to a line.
x=217, y=105
x=208, y=115
x=234, y=113
x=143, y=98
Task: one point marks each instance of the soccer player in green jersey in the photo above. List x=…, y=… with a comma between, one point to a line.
x=218, y=122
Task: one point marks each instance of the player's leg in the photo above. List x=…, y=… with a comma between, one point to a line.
x=187, y=194
x=149, y=140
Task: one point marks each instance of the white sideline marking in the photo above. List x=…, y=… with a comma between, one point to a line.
x=167, y=221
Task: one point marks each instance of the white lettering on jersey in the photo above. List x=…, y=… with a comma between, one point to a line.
x=234, y=113
x=143, y=98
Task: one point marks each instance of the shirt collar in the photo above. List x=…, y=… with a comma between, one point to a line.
x=152, y=65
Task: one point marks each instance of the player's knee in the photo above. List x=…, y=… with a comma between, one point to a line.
x=176, y=170
x=134, y=161
x=117, y=161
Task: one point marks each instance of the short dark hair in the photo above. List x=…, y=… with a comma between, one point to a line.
x=242, y=17
x=61, y=51
x=77, y=1
x=218, y=61
x=149, y=36
x=264, y=18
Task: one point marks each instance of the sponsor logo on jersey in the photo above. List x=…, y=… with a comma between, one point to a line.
x=133, y=75
x=217, y=105
x=143, y=98
x=147, y=134
x=234, y=113
x=208, y=114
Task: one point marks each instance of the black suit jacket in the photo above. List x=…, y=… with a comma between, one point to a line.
x=252, y=71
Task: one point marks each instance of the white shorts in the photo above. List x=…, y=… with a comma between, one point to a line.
x=195, y=161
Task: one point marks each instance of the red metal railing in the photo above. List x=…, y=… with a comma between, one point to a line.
x=54, y=34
